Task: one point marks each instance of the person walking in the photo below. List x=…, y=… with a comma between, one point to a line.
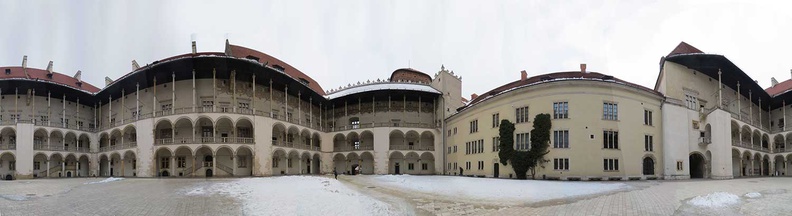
x=335, y=173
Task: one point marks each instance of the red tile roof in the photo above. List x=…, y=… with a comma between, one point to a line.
x=244, y=52
x=684, y=48
x=39, y=74
x=558, y=75
x=779, y=88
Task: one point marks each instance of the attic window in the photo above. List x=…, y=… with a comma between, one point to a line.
x=279, y=68
x=252, y=57
x=79, y=84
x=49, y=75
x=607, y=77
x=304, y=81
x=8, y=71
x=546, y=78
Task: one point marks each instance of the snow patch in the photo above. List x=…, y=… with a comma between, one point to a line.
x=715, y=200
x=753, y=195
x=295, y=195
x=496, y=190
x=111, y=179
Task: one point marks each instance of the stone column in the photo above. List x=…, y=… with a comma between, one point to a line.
x=173, y=165
x=48, y=169
x=122, y=168
x=233, y=165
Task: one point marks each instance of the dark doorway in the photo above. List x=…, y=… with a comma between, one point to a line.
x=68, y=174
x=165, y=173
x=765, y=167
x=111, y=172
x=208, y=172
x=496, y=170
x=354, y=169
x=696, y=166
x=648, y=166
x=9, y=177
x=396, y=169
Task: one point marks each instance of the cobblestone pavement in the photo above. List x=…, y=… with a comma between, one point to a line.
x=127, y=197
x=643, y=198
x=167, y=197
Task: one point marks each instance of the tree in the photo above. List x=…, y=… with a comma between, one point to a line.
x=522, y=161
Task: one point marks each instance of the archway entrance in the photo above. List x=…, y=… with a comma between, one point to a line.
x=396, y=169
x=208, y=173
x=696, y=166
x=648, y=166
x=208, y=163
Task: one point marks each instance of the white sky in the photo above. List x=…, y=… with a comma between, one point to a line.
x=338, y=42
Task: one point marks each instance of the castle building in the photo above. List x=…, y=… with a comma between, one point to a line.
x=242, y=112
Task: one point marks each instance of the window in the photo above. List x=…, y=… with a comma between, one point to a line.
x=455, y=149
x=80, y=124
x=207, y=105
x=467, y=148
x=289, y=163
x=561, y=139
x=167, y=107
x=181, y=162
x=304, y=81
x=15, y=117
x=561, y=164
x=610, y=139
x=781, y=123
x=455, y=130
x=449, y=150
x=36, y=165
x=425, y=166
x=647, y=117
x=467, y=165
x=474, y=126
x=495, y=120
x=611, y=164
x=522, y=141
x=244, y=105
x=355, y=122
x=648, y=143
x=481, y=165
x=610, y=111
x=166, y=133
x=43, y=119
x=560, y=110
x=410, y=166
x=164, y=163
x=496, y=144
x=522, y=114
x=275, y=162
x=680, y=166
x=691, y=102
x=288, y=116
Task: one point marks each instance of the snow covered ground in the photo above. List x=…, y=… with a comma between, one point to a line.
x=493, y=190
x=295, y=195
x=715, y=200
x=111, y=179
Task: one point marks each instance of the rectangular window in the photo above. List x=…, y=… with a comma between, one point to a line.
x=474, y=126
x=495, y=120
x=467, y=165
x=522, y=141
x=521, y=114
x=691, y=102
x=449, y=150
x=181, y=162
x=425, y=166
x=289, y=163
x=610, y=111
x=647, y=117
x=561, y=139
x=496, y=144
x=611, y=164
x=560, y=110
x=410, y=166
x=36, y=165
x=164, y=163
x=167, y=107
x=455, y=130
x=243, y=105
x=455, y=149
x=610, y=139
x=467, y=148
x=648, y=143
x=680, y=166
x=449, y=133
x=561, y=164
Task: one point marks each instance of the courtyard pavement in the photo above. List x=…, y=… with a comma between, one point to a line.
x=150, y=196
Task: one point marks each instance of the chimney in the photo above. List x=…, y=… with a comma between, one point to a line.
x=108, y=81
x=24, y=62
x=135, y=65
x=773, y=81
x=49, y=67
x=473, y=96
x=194, y=50
x=523, y=75
x=790, y=71
x=583, y=68
x=78, y=76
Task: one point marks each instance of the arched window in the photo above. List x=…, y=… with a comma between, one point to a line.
x=648, y=166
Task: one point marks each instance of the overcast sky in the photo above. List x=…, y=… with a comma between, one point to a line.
x=488, y=43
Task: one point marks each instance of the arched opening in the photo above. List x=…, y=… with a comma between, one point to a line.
x=757, y=165
x=163, y=132
x=165, y=162
x=735, y=133
x=130, y=137
x=71, y=165
x=316, y=163
x=225, y=130
x=115, y=139
x=396, y=140
x=278, y=134
x=353, y=163
x=339, y=163
x=780, y=166
x=427, y=141
x=104, y=165
x=736, y=163
x=70, y=142
x=205, y=128
x=745, y=137
x=8, y=138
x=396, y=161
x=56, y=140
x=83, y=143
x=648, y=166
x=765, y=142
x=339, y=143
x=697, y=162
x=184, y=162
x=129, y=164
x=411, y=160
x=225, y=162
x=279, y=162
x=316, y=142
x=115, y=164
x=183, y=131
x=757, y=139
x=366, y=140
x=354, y=141
x=305, y=163
x=778, y=143
x=104, y=142
x=244, y=130
x=244, y=162
x=40, y=139
x=747, y=164
x=292, y=163
x=291, y=135
x=206, y=157
x=427, y=163
x=366, y=163
x=354, y=122
x=7, y=166
x=40, y=165
x=766, y=165
x=412, y=138
x=83, y=166
x=305, y=139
